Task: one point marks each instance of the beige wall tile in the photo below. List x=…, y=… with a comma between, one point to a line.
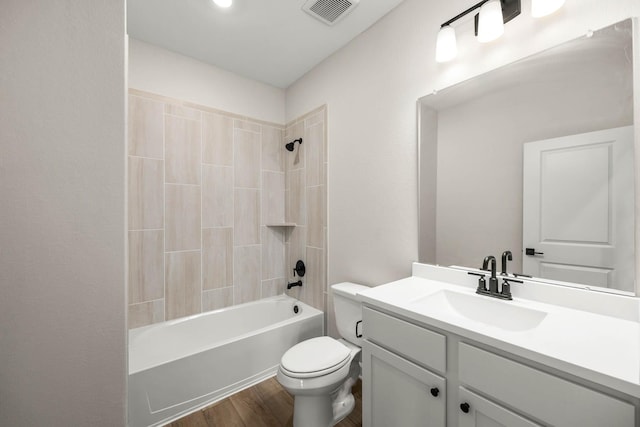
x=273, y=197
x=297, y=248
x=217, y=256
x=315, y=278
x=217, y=298
x=314, y=119
x=246, y=229
x=273, y=287
x=316, y=213
x=182, y=150
x=146, y=127
x=297, y=202
x=247, y=125
x=183, y=292
x=295, y=160
x=145, y=313
x=217, y=139
x=182, y=225
x=314, y=137
x=247, y=159
x=145, y=194
x=179, y=110
x=217, y=196
x=246, y=274
x=330, y=317
x=146, y=265
x=273, y=251
x=273, y=150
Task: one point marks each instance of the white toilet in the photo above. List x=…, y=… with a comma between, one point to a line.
x=319, y=372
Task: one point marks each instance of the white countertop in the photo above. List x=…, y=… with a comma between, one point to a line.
x=599, y=348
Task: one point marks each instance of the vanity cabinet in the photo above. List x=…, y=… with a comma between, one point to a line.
x=398, y=389
x=400, y=393
x=481, y=412
x=477, y=385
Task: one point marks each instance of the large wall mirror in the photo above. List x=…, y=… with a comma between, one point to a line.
x=536, y=155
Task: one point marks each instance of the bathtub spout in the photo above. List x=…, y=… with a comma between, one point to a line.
x=291, y=285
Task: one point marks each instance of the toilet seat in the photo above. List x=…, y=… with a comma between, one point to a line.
x=315, y=357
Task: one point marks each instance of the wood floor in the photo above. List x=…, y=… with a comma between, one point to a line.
x=266, y=404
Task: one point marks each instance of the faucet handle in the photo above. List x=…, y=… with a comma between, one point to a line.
x=482, y=283
x=506, y=288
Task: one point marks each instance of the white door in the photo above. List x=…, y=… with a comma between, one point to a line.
x=578, y=208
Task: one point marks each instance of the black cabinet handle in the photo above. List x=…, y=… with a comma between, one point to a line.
x=435, y=392
x=464, y=407
x=358, y=335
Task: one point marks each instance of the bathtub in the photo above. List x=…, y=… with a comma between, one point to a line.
x=182, y=365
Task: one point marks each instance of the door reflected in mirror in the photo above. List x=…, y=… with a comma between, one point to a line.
x=578, y=213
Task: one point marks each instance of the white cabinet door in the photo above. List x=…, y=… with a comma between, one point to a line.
x=577, y=209
x=476, y=411
x=397, y=392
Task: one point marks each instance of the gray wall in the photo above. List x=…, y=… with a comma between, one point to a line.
x=62, y=213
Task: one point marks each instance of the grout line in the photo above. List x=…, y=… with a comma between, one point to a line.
x=201, y=214
x=164, y=212
x=146, y=157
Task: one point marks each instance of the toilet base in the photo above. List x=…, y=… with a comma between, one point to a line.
x=312, y=411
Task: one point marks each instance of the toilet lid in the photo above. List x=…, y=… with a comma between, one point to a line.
x=315, y=354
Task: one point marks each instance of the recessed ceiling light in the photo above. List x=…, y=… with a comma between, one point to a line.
x=223, y=3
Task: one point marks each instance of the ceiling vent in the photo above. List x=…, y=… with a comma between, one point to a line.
x=329, y=11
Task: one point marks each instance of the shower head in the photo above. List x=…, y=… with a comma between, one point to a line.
x=290, y=146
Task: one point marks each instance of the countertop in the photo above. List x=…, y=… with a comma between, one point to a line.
x=600, y=348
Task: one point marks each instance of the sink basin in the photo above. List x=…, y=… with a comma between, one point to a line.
x=481, y=309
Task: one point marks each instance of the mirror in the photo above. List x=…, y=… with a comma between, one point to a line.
x=472, y=139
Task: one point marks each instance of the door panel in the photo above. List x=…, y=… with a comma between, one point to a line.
x=577, y=212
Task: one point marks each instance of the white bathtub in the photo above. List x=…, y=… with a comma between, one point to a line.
x=179, y=366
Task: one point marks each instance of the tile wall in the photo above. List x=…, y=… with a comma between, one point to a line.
x=306, y=205
x=203, y=187
x=203, y=184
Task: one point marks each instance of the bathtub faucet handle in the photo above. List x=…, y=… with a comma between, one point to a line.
x=300, y=269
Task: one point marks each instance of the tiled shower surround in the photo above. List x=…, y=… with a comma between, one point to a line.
x=207, y=190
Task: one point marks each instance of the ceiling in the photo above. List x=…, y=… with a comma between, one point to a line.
x=272, y=41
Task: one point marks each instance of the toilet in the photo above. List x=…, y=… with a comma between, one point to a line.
x=320, y=372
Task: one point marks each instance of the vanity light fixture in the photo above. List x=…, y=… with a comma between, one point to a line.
x=540, y=8
x=490, y=22
x=489, y=25
x=223, y=3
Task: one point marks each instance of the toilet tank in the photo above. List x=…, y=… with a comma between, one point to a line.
x=348, y=310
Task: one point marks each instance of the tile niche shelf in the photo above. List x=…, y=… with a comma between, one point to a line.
x=283, y=224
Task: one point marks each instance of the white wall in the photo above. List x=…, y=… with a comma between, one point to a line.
x=62, y=213
x=371, y=87
x=157, y=70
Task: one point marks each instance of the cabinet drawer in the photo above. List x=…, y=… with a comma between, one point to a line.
x=418, y=344
x=543, y=396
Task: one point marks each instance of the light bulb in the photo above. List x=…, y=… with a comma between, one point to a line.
x=491, y=22
x=446, y=45
x=541, y=8
x=223, y=3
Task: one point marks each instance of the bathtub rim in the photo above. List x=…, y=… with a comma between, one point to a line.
x=307, y=312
